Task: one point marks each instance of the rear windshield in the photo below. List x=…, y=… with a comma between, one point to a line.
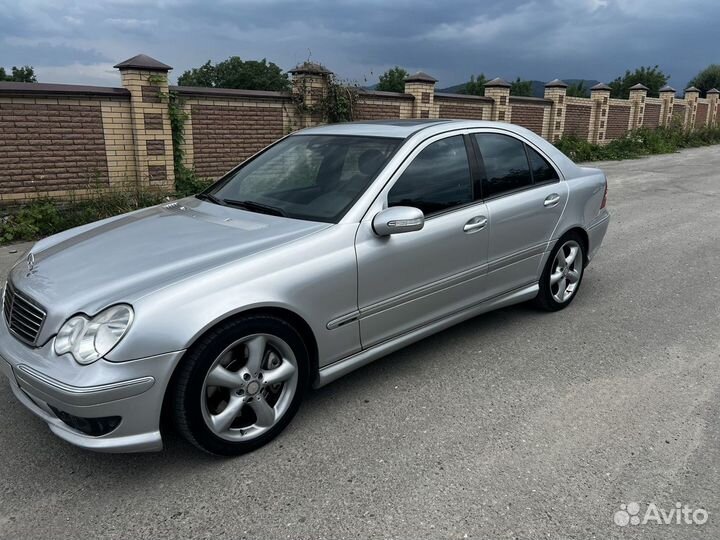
x=311, y=177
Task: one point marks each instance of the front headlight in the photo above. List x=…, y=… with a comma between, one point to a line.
x=90, y=339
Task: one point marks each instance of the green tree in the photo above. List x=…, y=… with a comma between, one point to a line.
x=18, y=74
x=237, y=73
x=652, y=77
x=520, y=88
x=577, y=89
x=707, y=79
x=475, y=86
x=393, y=80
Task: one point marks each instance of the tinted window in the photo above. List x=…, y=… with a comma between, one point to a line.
x=542, y=171
x=436, y=180
x=314, y=177
x=506, y=165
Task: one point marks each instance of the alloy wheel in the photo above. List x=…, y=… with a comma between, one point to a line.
x=566, y=271
x=249, y=387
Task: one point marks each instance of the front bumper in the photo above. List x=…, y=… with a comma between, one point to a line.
x=46, y=383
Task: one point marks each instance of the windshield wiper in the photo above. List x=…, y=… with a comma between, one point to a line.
x=256, y=207
x=209, y=197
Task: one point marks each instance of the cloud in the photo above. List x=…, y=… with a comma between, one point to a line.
x=358, y=39
x=132, y=24
x=92, y=74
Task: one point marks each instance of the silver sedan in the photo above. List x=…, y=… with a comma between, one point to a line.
x=325, y=251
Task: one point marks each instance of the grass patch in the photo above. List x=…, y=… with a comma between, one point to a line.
x=638, y=143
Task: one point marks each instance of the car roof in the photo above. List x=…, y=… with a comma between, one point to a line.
x=401, y=128
x=404, y=129
x=375, y=128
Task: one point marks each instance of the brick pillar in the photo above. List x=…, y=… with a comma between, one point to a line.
x=667, y=96
x=499, y=91
x=310, y=86
x=421, y=86
x=556, y=91
x=638, y=93
x=692, y=95
x=146, y=80
x=713, y=97
x=600, y=97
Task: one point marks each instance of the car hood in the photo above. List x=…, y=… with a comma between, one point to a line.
x=122, y=258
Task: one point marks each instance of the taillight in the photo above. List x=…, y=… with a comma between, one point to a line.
x=604, y=201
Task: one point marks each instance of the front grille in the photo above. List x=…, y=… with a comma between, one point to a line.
x=23, y=316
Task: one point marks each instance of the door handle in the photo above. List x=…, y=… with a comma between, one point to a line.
x=551, y=200
x=475, y=224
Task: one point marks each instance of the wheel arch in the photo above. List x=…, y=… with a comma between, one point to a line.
x=287, y=315
x=582, y=233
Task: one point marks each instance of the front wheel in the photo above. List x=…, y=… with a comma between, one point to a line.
x=562, y=274
x=241, y=385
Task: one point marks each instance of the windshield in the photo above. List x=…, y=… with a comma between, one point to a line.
x=312, y=177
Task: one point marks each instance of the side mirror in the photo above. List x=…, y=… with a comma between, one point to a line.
x=398, y=219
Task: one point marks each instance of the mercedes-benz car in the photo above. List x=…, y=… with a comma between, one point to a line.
x=327, y=250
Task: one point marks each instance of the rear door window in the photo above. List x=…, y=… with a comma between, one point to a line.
x=506, y=164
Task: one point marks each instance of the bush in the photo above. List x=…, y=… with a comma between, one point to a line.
x=188, y=183
x=638, y=143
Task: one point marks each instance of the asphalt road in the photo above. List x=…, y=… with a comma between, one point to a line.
x=514, y=424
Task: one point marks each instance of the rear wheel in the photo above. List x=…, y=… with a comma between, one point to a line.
x=241, y=385
x=562, y=274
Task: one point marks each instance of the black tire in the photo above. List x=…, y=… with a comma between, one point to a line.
x=545, y=299
x=188, y=385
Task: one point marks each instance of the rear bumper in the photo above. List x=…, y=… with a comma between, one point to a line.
x=46, y=383
x=596, y=233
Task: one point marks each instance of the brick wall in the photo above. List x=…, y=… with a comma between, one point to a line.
x=458, y=107
x=61, y=145
x=577, y=120
x=68, y=141
x=376, y=111
x=617, y=123
x=225, y=135
x=529, y=116
x=382, y=105
x=701, y=115
x=652, y=115
x=679, y=113
x=56, y=140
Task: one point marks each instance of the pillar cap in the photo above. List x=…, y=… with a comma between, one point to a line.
x=144, y=62
x=601, y=86
x=713, y=91
x=692, y=89
x=420, y=76
x=498, y=83
x=556, y=83
x=639, y=86
x=667, y=88
x=310, y=68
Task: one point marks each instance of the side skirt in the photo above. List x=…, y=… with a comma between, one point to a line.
x=342, y=367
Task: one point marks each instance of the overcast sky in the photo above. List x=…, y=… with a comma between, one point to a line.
x=78, y=41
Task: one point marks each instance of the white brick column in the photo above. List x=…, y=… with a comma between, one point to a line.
x=556, y=91
x=638, y=93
